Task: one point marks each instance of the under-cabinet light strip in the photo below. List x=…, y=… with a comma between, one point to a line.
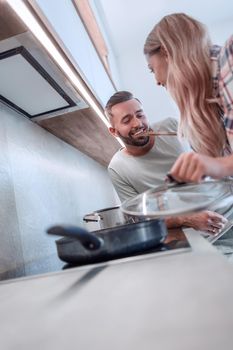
x=27, y=17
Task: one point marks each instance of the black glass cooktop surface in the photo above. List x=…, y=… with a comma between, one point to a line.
x=176, y=242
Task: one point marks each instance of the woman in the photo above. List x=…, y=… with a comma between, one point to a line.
x=199, y=77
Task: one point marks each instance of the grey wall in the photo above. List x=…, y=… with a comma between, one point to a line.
x=43, y=181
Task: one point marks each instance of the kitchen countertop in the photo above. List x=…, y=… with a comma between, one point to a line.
x=177, y=301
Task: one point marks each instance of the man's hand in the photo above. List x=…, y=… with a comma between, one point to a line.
x=206, y=221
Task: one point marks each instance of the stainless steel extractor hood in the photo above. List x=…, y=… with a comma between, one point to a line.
x=30, y=81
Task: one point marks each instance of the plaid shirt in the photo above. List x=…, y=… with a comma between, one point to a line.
x=223, y=83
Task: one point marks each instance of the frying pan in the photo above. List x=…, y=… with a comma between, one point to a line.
x=82, y=247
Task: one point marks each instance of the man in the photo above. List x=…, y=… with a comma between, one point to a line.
x=145, y=160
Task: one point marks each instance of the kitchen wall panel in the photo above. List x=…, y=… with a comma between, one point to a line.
x=11, y=254
x=43, y=181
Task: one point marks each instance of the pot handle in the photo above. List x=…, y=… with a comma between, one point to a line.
x=88, y=240
x=92, y=217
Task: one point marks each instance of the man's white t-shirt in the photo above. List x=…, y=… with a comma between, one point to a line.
x=132, y=175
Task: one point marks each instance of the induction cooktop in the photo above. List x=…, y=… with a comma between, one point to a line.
x=176, y=242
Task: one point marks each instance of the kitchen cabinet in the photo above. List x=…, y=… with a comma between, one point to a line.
x=82, y=128
x=10, y=24
x=65, y=22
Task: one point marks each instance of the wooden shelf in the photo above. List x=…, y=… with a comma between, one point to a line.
x=84, y=130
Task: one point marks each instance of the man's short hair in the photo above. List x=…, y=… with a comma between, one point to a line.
x=118, y=97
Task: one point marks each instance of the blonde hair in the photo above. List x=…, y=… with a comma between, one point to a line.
x=189, y=80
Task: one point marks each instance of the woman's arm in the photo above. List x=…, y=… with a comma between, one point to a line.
x=192, y=167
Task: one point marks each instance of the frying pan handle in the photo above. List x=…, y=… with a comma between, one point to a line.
x=88, y=240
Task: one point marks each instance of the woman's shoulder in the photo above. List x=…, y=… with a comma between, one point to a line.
x=229, y=40
x=226, y=65
x=226, y=50
x=225, y=81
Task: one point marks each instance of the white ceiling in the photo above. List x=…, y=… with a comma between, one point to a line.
x=128, y=22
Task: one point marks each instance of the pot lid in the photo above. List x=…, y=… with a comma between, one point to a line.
x=178, y=199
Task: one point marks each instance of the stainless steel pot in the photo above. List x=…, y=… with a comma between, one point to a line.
x=104, y=218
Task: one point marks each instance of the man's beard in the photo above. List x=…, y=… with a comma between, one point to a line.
x=140, y=141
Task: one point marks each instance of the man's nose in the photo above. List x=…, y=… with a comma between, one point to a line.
x=136, y=122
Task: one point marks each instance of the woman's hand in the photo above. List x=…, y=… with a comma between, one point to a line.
x=192, y=167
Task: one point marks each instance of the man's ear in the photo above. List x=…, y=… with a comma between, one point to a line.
x=113, y=131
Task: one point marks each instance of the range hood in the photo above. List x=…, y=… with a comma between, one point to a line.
x=31, y=83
